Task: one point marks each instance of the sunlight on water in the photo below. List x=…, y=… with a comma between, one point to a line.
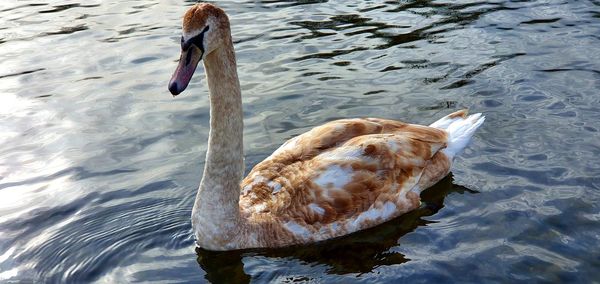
x=99, y=164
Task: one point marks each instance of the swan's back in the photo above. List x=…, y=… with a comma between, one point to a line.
x=344, y=176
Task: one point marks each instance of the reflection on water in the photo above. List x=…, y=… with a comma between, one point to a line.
x=99, y=164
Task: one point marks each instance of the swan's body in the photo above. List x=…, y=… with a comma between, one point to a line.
x=338, y=178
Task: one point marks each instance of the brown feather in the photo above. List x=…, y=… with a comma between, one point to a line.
x=374, y=165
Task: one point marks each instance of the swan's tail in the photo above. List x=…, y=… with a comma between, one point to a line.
x=460, y=128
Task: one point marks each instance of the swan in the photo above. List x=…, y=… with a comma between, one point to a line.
x=338, y=178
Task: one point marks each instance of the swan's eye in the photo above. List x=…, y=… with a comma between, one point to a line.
x=197, y=41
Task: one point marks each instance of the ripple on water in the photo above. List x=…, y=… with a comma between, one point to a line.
x=100, y=164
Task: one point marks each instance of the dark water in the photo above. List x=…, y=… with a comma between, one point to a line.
x=99, y=165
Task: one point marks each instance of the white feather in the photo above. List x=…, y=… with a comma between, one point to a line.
x=460, y=130
x=316, y=208
x=297, y=230
x=275, y=186
x=342, y=154
x=335, y=176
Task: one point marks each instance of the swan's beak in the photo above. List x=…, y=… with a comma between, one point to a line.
x=183, y=74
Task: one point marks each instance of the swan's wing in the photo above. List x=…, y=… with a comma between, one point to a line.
x=346, y=178
x=337, y=132
x=323, y=137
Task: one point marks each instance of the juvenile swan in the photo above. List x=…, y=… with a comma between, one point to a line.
x=341, y=177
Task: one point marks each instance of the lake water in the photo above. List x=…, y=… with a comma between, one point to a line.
x=99, y=165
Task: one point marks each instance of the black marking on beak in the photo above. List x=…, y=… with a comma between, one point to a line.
x=197, y=40
x=188, y=57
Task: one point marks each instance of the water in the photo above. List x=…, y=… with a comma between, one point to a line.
x=99, y=164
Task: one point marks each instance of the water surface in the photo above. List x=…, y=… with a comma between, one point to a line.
x=99, y=164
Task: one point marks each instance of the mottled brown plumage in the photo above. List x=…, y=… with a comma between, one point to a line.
x=338, y=178
x=374, y=165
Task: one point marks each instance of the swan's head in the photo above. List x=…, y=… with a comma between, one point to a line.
x=205, y=27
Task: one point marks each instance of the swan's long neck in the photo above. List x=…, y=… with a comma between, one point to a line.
x=215, y=216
